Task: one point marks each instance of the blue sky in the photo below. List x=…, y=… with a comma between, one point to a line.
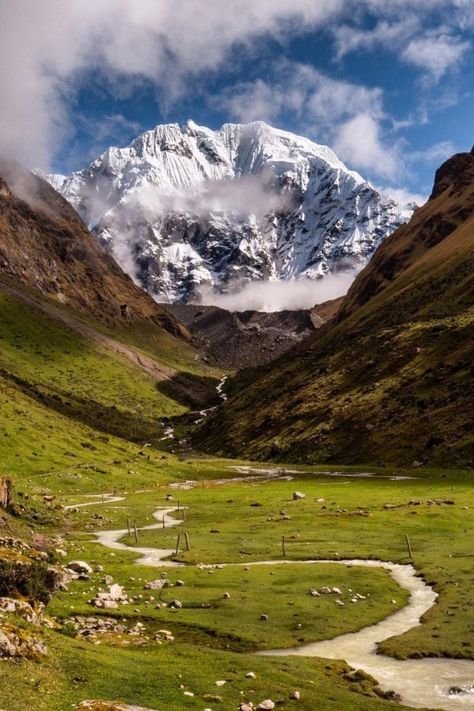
x=387, y=84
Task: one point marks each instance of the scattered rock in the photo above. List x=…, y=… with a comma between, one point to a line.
x=157, y=584
x=108, y=706
x=392, y=695
x=296, y=696
x=110, y=600
x=250, y=675
x=266, y=705
x=80, y=566
x=176, y=604
x=456, y=690
x=17, y=644
x=297, y=496
x=264, y=617
x=23, y=609
x=116, y=592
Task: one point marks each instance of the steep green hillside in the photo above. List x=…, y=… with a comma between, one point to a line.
x=92, y=378
x=392, y=380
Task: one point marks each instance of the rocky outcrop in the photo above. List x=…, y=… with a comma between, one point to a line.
x=16, y=643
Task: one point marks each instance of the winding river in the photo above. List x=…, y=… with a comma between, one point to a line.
x=423, y=683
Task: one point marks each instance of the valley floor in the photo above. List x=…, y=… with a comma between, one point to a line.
x=191, y=643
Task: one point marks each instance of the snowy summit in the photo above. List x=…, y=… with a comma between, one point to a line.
x=184, y=208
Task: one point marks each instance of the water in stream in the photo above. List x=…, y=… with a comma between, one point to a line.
x=423, y=683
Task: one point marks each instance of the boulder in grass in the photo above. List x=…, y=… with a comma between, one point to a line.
x=80, y=566
x=297, y=496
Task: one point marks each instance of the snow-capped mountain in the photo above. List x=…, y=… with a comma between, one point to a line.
x=184, y=208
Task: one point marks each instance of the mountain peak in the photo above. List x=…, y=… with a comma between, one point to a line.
x=185, y=208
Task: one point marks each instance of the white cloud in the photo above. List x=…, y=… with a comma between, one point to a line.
x=359, y=142
x=435, y=53
x=279, y=295
x=404, y=197
x=386, y=34
x=46, y=45
x=347, y=116
x=251, y=194
x=309, y=95
x=435, y=153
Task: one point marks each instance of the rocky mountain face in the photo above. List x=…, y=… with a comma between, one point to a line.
x=45, y=247
x=390, y=380
x=249, y=338
x=185, y=209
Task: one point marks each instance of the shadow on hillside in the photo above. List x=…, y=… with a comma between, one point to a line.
x=191, y=390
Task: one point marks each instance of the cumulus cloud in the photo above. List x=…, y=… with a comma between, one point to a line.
x=359, y=142
x=47, y=48
x=301, y=89
x=346, y=115
x=46, y=45
x=279, y=295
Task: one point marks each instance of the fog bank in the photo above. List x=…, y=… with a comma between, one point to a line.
x=279, y=295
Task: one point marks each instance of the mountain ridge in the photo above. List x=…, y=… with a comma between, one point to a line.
x=184, y=208
x=390, y=380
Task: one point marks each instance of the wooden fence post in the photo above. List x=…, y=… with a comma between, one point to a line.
x=186, y=537
x=177, y=544
x=409, y=546
x=283, y=546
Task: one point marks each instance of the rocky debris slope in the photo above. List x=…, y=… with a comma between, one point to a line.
x=185, y=207
x=249, y=338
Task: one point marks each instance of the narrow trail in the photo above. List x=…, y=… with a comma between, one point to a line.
x=422, y=683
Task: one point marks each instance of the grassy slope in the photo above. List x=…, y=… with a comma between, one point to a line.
x=392, y=381
x=86, y=381
x=213, y=642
